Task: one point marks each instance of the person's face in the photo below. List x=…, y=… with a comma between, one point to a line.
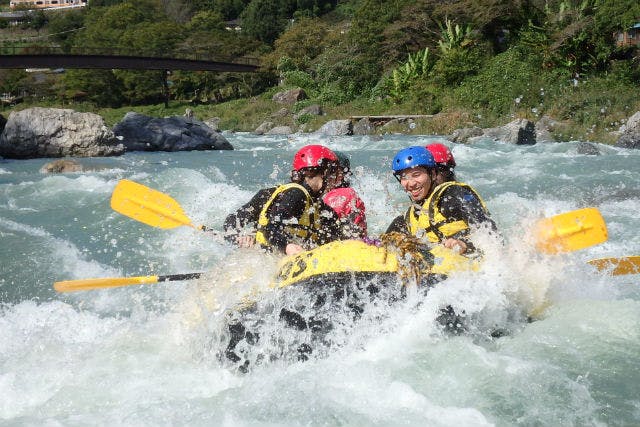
x=314, y=180
x=416, y=182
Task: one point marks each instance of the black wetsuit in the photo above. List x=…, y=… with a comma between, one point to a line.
x=246, y=217
x=286, y=208
x=457, y=203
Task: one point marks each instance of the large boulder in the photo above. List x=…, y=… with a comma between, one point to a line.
x=520, y=132
x=630, y=137
x=588, y=148
x=290, y=96
x=178, y=133
x=213, y=123
x=51, y=132
x=336, y=128
x=463, y=135
x=279, y=130
x=364, y=126
x=310, y=110
x=264, y=128
x=544, y=129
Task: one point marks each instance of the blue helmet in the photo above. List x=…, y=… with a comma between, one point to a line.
x=411, y=157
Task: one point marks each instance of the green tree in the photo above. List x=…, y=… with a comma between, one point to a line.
x=207, y=38
x=37, y=20
x=206, y=21
x=139, y=27
x=576, y=37
x=311, y=8
x=229, y=9
x=99, y=86
x=264, y=19
x=13, y=81
x=64, y=26
x=352, y=65
x=301, y=43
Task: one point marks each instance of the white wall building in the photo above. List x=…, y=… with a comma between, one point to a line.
x=45, y=4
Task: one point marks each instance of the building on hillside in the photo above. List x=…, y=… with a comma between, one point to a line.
x=631, y=37
x=46, y=4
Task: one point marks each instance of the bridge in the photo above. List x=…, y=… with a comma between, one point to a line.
x=16, y=56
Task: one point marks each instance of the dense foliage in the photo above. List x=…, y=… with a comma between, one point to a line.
x=491, y=57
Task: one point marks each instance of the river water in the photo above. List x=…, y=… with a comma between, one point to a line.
x=147, y=355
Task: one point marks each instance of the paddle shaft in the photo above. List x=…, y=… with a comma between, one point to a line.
x=618, y=266
x=114, y=282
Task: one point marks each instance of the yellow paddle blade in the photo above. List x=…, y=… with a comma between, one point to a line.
x=147, y=205
x=107, y=282
x=570, y=231
x=618, y=266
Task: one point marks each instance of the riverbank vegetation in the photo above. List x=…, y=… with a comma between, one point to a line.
x=468, y=62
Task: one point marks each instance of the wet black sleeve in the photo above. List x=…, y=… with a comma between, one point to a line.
x=287, y=207
x=332, y=227
x=399, y=224
x=246, y=217
x=460, y=203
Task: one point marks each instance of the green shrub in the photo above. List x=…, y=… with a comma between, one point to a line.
x=503, y=86
x=300, y=79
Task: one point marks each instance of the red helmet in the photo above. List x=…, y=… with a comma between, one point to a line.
x=441, y=154
x=313, y=156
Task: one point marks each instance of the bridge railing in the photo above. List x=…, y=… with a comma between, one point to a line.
x=34, y=49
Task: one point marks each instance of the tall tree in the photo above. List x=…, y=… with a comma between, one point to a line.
x=264, y=19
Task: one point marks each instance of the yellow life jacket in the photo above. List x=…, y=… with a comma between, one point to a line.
x=430, y=221
x=307, y=227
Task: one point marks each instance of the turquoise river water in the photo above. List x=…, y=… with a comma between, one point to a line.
x=147, y=355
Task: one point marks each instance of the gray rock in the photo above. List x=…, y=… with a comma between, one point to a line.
x=279, y=130
x=177, y=133
x=519, y=132
x=588, y=149
x=69, y=166
x=51, y=132
x=336, y=128
x=630, y=137
x=62, y=166
x=311, y=110
x=391, y=125
x=263, y=128
x=632, y=122
x=463, y=135
x=290, y=96
x=544, y=127
x=213, y=123
x=364, y=127
x=283, y=112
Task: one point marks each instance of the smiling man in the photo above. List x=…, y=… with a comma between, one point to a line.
x=441, y=212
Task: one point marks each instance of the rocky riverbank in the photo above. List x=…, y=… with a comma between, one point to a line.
x=50, y=132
